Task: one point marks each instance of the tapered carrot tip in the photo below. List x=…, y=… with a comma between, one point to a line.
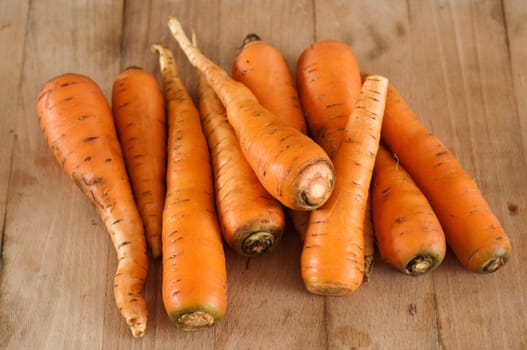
x=137, y=328
x=194, y=321
x=258, y=243
x=316, y=183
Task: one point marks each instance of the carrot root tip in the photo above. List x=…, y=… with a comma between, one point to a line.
x=193, y=321
x=420, y=264
x=137, y=328
x=316, y=183
x=258, y=243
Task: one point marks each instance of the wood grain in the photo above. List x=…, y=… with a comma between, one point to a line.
x=460, y=64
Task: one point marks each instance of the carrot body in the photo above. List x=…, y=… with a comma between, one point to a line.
x=290, y=166
x=194, y=271
x=78, y=125
x=139, y=110
x=329, y=83
x=252, y=220
x=471, y=228
x=408, y=233
x=332, y=260
x=264, y=70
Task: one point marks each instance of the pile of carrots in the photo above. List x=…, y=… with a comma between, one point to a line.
x=338, y=152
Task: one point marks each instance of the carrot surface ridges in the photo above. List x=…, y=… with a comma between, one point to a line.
x=194, y=270
x=77, y=123
x=252, y=220
x=290, y=166
x=329, y=83
x=264, y=70
x=408, y=233
x=472, y=230
x=332, y=261
x=139, y=110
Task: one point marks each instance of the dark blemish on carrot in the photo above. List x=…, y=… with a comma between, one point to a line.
x=88, y=158
x=400, y=219
x=108, y=160
x=116, y=222
x=68, y=99
x=90, y=138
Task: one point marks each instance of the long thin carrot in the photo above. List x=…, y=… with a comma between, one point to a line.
x=77, y=123
x=329, y=82
x=332, y=261
x=139, y=110
x=408, y=233
x=472, y=230
x=290, y=166
x=194, y=271
x=252, y=220
x=264, y=70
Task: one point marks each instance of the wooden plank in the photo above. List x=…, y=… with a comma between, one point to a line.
x=460, y=64
x=12, y=30
x=53, y=290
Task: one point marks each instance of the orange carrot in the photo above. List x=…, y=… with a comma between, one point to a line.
x=263, y=69
x=408, y=233
x=252, y=220
x=329, y=82
x=194, y=271
x=77, y=123
x=332, y=259
x=139, y=110
x=472, y=230
x=290, y=166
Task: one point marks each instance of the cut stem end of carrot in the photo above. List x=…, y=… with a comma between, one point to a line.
x=194, y=321
x=316, y=183
x=258, y=243
x=420, y=265
x=493, y=264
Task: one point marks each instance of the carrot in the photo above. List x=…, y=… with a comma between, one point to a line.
x=329, y=82
x=78, y=126
x=252, y=220
x=290, y=166
x=194, y=271
x=139, y=110
x=264, y=70
x=409, y=235
x=332, y=260
x=472, y=230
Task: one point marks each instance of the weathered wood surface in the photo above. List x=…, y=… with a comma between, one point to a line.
x=462, y=65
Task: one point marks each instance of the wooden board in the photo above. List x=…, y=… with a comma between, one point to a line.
x=460, y=64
